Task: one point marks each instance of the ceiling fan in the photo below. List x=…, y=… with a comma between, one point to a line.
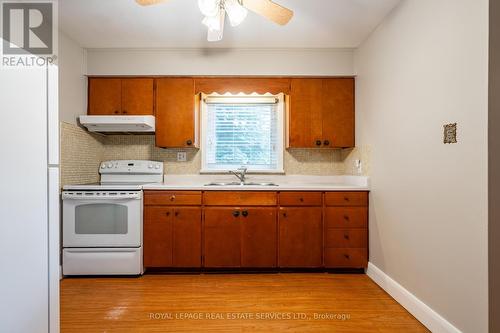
x=215, y=13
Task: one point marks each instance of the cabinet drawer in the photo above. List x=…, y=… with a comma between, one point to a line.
x=346, y=217
x=301, y=199
x=165, y=198
x=227, y=198
x=346, y=238
x=346, y=258
x=346, y=198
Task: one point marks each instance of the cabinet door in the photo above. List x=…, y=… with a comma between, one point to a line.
x=258, y=237
x=176, y=123
x=157, y=236
x=137, y=96
x=300, y=237
x=222, y=244
x=305, y=112
x=186, y=237
x=338, y=113
x=104, y=96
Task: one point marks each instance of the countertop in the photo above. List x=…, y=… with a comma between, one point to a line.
x=283, y=182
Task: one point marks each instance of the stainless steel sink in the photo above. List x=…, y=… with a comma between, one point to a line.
x=241, y=184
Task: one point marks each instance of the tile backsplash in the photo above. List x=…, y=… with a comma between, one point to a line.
x=81, y=153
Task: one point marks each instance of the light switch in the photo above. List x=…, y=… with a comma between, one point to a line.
x=181, y=156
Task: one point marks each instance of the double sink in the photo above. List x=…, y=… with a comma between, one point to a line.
x=241, y=184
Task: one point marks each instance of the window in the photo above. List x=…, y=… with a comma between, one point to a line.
x=242, y=130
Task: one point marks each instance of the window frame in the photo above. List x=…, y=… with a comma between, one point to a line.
x=280, y=137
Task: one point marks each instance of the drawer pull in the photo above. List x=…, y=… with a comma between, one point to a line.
x=326, y=143
x=346, y=217
x=301, y=199
x=346, y=256
x=346, y=236
x=172, y=198
x=346, y=198
x=167, y=213
x=318, y=142
x=236, y=213
x=244, y=213
x=189, y=142
x=284, y=215
x=176, y=213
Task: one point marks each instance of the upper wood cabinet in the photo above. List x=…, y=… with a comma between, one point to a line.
x=176, y=113
x=121, y=96
x=321, y=113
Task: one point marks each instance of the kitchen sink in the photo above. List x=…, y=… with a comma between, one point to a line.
x=241, y=184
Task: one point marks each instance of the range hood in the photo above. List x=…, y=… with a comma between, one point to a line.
x=108, y=124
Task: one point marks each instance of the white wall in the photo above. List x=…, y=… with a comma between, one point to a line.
x=425, y=66
x=72, y=82
x=220, y=62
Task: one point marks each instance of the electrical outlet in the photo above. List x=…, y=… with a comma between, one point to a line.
x=181, y=156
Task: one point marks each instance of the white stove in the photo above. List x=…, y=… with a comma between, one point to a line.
x=102, y=223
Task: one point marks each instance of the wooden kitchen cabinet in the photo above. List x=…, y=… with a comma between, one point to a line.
x=321, y=113
x=157, y=237
x=258, y=237
x=222, y=237
x=121, y=96
x=176, y=113
x=240, y=237
x=172, y=229
x=186, y=237
x=300, y=237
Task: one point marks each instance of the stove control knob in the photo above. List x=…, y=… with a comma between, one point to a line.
x=150, y=166
x=110, y=165
x=103, y=166
x=157, y=166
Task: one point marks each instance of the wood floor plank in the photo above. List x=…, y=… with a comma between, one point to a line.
x=344, y=303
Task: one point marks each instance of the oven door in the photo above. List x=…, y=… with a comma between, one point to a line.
x=102, y=218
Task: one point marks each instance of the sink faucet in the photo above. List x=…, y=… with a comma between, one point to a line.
x=240, y=173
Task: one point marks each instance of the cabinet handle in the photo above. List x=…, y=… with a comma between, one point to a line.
x=346, y=199
x=176, y=213
x=189, y=142
x=125, y=111
x=284, y=214
x=346, y=256
x=172, y=198
x=116, y=111
x=346, y=217
x=318, y=142
x=301, y=199
x=244, y=213
x=167, y=213
x=236, y=213
x=326, y=143
x=346, y=236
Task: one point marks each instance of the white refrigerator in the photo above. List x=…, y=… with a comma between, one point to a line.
x=29, y=200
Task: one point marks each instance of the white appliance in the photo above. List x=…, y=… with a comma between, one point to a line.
x=102, y=223
x=29, y=202
x=107, y=124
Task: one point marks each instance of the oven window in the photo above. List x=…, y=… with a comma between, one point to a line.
x=98, y=219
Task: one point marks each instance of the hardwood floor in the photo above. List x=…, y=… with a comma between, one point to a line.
x=231, y=303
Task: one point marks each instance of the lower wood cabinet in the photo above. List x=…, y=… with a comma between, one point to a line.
x=216, y=229
x=240, y=237
x=300, y=237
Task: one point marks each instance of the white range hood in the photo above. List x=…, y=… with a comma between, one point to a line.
x=107, y=124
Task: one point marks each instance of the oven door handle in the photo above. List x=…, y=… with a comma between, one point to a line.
x=101, y=196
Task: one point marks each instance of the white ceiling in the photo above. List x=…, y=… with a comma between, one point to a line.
x=177, y=24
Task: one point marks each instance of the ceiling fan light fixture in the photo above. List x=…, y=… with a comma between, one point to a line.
x=235, y=11
x=215, y=25
x=209, y=7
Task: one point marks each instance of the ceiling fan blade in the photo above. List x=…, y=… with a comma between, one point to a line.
x=149, y=2
x=270, y=10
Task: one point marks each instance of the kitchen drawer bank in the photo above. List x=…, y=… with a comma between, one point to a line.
x=252, y=230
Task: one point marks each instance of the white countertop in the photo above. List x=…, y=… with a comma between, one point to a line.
x=284, y=183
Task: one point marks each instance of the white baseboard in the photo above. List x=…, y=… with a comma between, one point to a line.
x=427, y=316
